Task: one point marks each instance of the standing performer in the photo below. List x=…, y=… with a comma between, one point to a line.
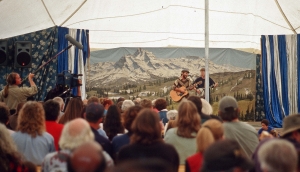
x=12, y=94
x=181, y=86
x=201, y=87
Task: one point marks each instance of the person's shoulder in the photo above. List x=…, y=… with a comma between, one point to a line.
x=197, y=156
x=47, y=136
x=260, y=131
x=101, y=138
x=270, y=128
x=171, y=133
x=120, y=137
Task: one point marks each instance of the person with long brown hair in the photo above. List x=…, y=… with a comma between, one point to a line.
x=146, y=141
x=31, y=137
x=124, y=139
x=73, y=110
x=12, y=94
x=211, y=131
x=112, y=124
x=183, y=137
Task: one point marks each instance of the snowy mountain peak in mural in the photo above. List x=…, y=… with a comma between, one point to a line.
x=143, y=66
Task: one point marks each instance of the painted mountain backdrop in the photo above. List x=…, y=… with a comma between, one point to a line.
x=143, y=66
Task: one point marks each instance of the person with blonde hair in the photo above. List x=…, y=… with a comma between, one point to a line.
x=211, y=131
x=183, y=136
x=146, y=141
x=74, y=133
x=31, y=137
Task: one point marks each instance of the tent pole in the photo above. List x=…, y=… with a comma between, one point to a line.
x=206, y=50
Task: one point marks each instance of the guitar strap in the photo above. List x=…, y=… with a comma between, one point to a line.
x=181, y=83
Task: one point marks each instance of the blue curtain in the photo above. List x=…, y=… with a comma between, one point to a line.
x=284, y=73
x=84, y=43
x=44, y=46
x=63, y=58
x=271, y=103
x=62, y=63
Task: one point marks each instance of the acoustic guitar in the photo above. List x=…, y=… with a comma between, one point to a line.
x=176, y=96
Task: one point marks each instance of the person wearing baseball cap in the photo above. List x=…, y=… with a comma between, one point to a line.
x=243, y=133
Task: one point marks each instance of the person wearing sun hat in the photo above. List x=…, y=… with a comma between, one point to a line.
x=225, y=155
x=291, y=129
x=243, y=133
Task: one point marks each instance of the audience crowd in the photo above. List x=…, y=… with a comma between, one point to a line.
x=99, y=134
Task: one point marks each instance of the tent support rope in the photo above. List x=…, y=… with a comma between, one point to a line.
x=48, y=12
x=73, y=13
x=284, y=16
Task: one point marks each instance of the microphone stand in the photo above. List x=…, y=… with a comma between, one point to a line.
x=52, y=58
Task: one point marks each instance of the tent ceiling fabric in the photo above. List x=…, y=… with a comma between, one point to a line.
x=155, y=23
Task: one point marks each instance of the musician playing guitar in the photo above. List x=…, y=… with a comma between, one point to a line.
x=200, y=87
x=181, y=85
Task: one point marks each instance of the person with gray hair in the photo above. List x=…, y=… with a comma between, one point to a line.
x=127, y=104
x=278, y=155
x=171, y=114
x=74, y=133
x=61, y=105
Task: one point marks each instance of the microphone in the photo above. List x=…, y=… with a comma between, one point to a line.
x=73, y=41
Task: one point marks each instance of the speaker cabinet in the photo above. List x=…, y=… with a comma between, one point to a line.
x=3, y=52
x=22, y=54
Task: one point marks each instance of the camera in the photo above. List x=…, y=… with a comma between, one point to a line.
x=68, y=80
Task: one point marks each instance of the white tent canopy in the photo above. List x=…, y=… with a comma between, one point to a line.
x=155, y=23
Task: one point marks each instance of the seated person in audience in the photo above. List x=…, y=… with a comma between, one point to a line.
x=74, y=134
x=31, y=138
x=4, y=116
x=161, y=105
x=52, y=110
x=146, y=141
x=10, y=159
x=243, y=133
x=225, y=155
x=119, y=141
x=13, y=119
x=107, y=103
x=126, y=104
x=278, y=155
x=210, y=132
x=153, y=105
x=87, y=157
x=112, y=124
x=100, y=129
x=93, y=99
x=265, y=127
x=61, y=103
x=171, y=115
x=183, y=136
x=146, y=103
x=73, y=110
x=198, y=103
x=94, y=116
